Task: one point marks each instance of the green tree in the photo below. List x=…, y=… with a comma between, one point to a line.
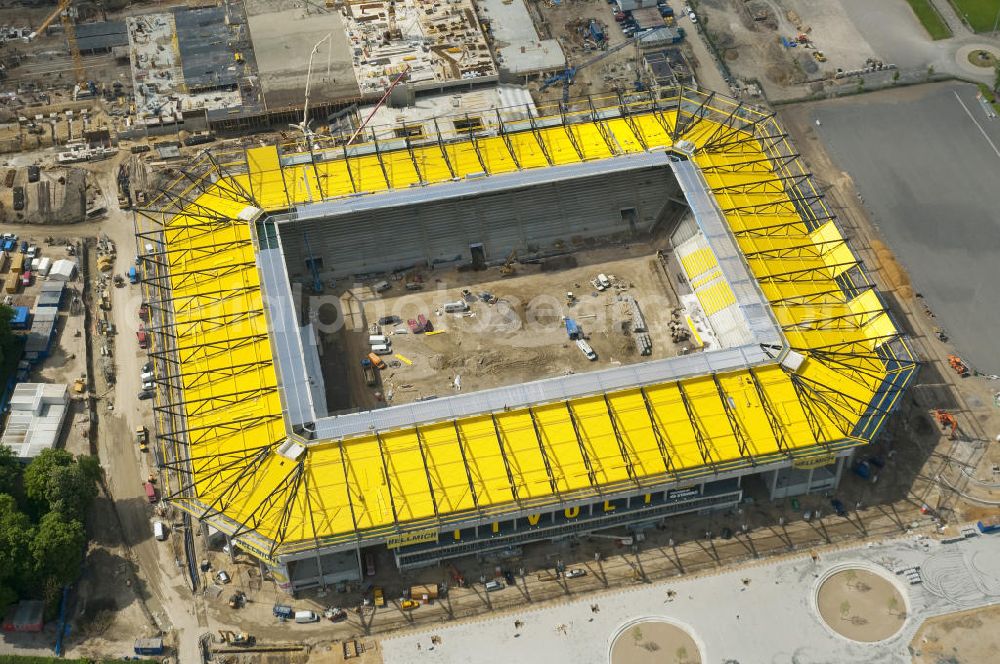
x=71, y=489
x=38, y=472
x=10, y=471
x=61, y=483
x=16, y=535
x=57, y=549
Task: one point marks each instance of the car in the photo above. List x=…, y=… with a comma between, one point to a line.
x=222, y=578
x=147, y=367
x=148, y=386
x=575, y=573
x=494, y=585
x=389, y=320
x=24, y=246
x=145, y=394
x=693, y=17
x=508, y=576
x=838, y=507
x=727, y=533
x=32, y=251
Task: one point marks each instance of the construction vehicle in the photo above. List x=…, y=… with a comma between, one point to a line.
x=409, y=604
x=947, y=421
x=566, y=77
x=507, y=269
x=335, y=614
x=232, y=638
x=379, y=597
x=958, y=366
x=423, y=593
x=369, y=372
x=142, y=438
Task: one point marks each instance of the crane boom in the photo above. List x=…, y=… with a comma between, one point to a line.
x=60, y=8
x=381, y=101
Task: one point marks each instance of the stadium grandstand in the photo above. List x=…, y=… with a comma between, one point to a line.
x=807, y=365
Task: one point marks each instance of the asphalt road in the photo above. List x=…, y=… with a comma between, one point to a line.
x=925, y=161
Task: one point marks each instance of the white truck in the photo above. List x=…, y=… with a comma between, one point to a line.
x=586, y=349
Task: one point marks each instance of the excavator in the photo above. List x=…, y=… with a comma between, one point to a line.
x=236, y=638
x=507, y=269
x=947, y=421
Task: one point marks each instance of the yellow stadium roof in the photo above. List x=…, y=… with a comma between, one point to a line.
x=221, y=417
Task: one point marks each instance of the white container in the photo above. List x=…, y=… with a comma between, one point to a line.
x=378, y=340
x=456, y=307
x=159, y=530
x=382, y=349
x=306, y=617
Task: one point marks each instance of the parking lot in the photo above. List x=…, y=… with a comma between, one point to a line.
x=931, y=191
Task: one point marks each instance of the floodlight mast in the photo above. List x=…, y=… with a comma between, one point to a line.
x=304, y=126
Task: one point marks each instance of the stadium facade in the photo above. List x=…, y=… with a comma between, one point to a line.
x=809, y=362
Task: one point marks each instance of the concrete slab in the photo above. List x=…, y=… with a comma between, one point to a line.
x=763, y=613
x=925, y=161
x=282, y=42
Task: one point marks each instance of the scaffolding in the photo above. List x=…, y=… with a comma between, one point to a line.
x=827, y=384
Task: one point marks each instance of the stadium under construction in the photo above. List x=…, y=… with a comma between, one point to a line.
x=807, y=365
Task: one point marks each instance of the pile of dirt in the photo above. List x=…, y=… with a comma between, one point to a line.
x=894, y=273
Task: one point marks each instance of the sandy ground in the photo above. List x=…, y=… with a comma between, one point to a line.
x=654, y=642
x=968, y=637
x=520, y=338
x=861, y=605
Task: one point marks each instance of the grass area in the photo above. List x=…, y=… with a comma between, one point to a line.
x=930, y=19
x=980, y=14
x=988, y=95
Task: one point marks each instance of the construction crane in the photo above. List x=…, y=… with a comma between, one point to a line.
x=62, y=11
x=304, y=127
x=312, y=262
x=567, y=76
x=385, y=97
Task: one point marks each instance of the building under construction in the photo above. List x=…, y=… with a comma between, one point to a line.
x=807, y=362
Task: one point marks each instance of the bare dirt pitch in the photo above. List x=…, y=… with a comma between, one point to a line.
x=521, y=336
x=861, y=605
x=967, y=636
x=654, y=642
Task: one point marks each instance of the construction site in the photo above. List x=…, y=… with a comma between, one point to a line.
x=621, y=444
x=493, y=333
x=445, y=308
